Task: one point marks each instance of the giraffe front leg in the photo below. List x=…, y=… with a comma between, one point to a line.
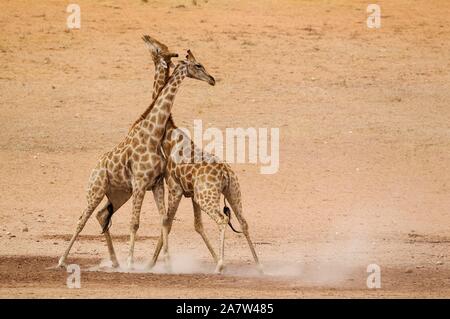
x=158, y=193
x=138, y=197
x=174, y=197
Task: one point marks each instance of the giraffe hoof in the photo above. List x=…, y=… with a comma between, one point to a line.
x=130, y=264
x=115, y=264
x=57, y=266
x=61, y=264
x=167, y=264
x=219, y=268
x=260, y=269
x=149, y=266
x=168, y=269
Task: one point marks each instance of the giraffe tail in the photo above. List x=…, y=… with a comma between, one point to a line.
x=108, y=220
x=227, y=212
x=226, y=209
x=233, y=195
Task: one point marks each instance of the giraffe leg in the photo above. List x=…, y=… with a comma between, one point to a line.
x=220, y=263
x=233, y=197
x=175, y=196
x=158, y=193
x=208, y=199
x=116, y=200
x=112, y=253
x=93, y=201
x=103, y=217
x=138, y=198
x=199, y=229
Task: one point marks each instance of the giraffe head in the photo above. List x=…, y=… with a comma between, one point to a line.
x=160, y=52
x=196, y=70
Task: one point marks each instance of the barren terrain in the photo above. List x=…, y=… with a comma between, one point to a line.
x=364, y=119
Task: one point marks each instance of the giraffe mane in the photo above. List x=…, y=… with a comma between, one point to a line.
x=150, y=107
x=146, y=112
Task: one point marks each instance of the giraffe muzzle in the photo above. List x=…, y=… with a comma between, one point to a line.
x=211, y=81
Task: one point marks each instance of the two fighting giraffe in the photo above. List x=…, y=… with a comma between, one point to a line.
x=136, y=165
x=139, y=164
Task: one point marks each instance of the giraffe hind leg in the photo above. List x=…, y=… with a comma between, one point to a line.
x=198, y=224
x=96, y=192
x=104, y=218
x=108, y=221
x=115, y=201
x=208, y=199
x=105, y=231
x=93, y=203
x=234, y=199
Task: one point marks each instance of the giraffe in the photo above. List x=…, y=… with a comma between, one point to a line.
x=203, y=182
x=162, y=59
x=162, y=72
x=137, y=165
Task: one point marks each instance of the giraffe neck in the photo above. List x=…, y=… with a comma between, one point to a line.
x=161, y=77
x=162, y=106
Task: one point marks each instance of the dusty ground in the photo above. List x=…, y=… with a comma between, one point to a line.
x=364, y=132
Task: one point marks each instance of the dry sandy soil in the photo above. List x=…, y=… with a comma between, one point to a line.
x=364, y=144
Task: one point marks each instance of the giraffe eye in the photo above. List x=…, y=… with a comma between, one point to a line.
x=198, y=66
